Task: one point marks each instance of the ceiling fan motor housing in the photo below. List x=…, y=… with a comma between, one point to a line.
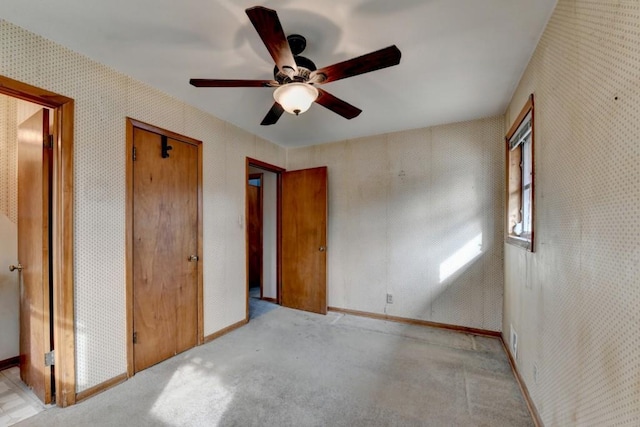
x=297, y=43
x=305, y=67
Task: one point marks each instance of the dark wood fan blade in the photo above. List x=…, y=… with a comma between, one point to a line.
x=337, y=105
x=377, y=60
x=270, y=30
x=273, y=115
x=232, y=83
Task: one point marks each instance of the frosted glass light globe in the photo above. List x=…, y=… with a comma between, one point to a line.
x=295, y=98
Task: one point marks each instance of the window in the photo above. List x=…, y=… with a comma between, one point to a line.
x=520, y=173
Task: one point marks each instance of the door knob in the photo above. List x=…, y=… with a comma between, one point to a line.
x=193, y=258
x=322, y=248
x=15, y=267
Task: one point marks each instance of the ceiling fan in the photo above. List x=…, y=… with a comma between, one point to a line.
x=296, y=77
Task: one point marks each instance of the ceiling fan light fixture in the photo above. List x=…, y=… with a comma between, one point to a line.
x=295, y=98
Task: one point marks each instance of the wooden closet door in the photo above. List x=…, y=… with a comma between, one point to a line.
x=165, y=221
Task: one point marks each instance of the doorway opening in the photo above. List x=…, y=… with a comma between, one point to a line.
x=263, y=222
x=44, y=271
x=300, y=238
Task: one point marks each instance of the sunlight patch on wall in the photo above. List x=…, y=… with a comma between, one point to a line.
x=463, y=256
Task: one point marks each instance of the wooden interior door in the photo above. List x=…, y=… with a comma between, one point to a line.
x=165, y=245
x=34, y=158
x=304, y=239
x=254, y=229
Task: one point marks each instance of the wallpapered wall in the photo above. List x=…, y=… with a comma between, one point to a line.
x=575, y=302
x=417, y=214
x=103, y=99
x=8, y=164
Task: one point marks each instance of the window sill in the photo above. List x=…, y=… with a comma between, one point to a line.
x=523, y=242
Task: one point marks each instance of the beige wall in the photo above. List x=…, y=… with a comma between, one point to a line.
x=417, y=214
x=575, y=302
x=103, y=99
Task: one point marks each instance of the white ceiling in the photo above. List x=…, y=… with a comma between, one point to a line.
x=461, y=59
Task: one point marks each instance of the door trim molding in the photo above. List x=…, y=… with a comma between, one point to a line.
x=224, y=331
x=131, y=124
x=83, y=395
x=278, y=171
x=418, y=322
x=62, y=236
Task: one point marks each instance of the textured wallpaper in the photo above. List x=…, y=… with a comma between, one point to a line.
x=103, y=100
x=8, y=159
x=417, y=214
x=575, y=302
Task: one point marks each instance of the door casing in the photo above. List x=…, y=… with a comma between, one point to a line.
x=131, y=124
x=62, y=233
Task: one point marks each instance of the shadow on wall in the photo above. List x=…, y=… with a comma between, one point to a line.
x=458, y=289
x=445, y=261
x=418, y=215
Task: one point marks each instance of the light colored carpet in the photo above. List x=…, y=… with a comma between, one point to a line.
x=291, y=368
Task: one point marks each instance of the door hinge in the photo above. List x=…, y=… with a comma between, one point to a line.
x=135, y=337
x=134, y=154
x=50, y=358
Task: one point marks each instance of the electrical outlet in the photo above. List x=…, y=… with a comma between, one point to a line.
x=514, y=343
x=389, y=299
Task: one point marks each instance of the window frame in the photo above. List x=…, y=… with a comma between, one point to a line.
x=514, y=205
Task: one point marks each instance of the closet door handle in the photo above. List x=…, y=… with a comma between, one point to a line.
x=15, y=267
